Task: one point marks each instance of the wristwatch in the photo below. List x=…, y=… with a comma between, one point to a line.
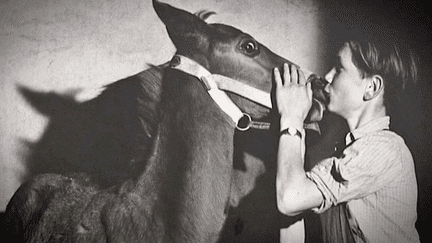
x=291, y=131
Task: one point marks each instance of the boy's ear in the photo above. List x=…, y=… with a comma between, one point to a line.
x=374, y=87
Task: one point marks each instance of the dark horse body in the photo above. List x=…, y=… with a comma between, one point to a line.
x=183, y=165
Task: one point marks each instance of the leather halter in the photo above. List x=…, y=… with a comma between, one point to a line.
x=214, y=83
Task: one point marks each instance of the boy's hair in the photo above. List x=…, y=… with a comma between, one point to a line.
x=394, y=62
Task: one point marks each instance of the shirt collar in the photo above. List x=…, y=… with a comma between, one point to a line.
x=375, y=125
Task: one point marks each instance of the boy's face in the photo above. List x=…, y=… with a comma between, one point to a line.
x=346, y=86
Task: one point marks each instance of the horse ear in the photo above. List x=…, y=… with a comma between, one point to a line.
x=48, y=104
x=186, y=30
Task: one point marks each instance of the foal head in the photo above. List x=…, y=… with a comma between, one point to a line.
x=223, y=50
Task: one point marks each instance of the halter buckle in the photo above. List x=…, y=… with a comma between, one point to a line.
x=244, y=123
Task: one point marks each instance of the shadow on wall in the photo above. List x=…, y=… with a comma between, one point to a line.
x=107, y=137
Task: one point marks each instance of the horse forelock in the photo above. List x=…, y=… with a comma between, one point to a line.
x=204, y=14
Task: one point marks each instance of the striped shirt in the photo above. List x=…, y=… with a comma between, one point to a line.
x=375, y=175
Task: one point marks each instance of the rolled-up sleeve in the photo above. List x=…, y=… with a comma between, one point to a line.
x=319, y=175
x=366, y=166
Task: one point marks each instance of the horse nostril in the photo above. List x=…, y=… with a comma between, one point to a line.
x=320, y=89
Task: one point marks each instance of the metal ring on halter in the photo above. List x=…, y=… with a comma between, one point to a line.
x=248, y=124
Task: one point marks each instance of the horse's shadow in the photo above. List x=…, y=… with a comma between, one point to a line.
x=107, y=137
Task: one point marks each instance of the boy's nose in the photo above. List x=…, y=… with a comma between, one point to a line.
x=329, y=76
x=326, y=88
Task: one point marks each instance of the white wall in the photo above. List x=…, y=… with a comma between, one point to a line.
x=58, y=45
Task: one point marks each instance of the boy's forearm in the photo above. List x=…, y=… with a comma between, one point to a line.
x=295, y=192
x=289, y=172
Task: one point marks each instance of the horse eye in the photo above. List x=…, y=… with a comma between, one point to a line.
x=250, y=47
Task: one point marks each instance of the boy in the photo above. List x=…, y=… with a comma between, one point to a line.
x=373, y=177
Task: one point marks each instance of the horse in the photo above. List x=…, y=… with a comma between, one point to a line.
x=192, y=175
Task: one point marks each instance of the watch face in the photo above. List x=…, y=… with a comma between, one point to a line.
x=292, y=131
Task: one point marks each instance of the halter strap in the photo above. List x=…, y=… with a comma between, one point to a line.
x=214, y=83
x=249, y=92
x=217, y=81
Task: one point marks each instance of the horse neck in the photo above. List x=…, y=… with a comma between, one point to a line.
x=192, y=157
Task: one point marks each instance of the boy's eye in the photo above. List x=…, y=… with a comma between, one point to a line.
x=337, y=64
x=338, y=68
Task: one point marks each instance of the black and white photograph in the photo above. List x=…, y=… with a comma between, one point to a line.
x=215, y=121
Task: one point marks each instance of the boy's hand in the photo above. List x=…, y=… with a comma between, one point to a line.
x=293, y=96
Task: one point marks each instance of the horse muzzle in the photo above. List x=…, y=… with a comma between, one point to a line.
x=319, y=99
